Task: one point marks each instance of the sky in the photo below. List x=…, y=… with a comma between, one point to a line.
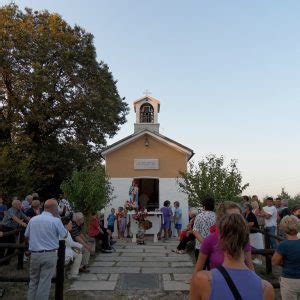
x=226, y=72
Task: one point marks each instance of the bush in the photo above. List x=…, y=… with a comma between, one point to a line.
x=89, y=190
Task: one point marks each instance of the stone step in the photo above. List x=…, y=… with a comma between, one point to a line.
x=143, y=264
x=93, y=285
x=167, y=270
x=114, y=270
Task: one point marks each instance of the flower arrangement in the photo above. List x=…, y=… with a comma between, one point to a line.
x=140, y=215
x=129, y=206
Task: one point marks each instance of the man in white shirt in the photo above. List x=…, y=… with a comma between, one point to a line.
x=271, y=215
x=43, y=232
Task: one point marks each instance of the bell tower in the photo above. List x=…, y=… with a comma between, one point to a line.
x=146, y=109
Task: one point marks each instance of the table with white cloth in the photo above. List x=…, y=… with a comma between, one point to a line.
x=156, y=218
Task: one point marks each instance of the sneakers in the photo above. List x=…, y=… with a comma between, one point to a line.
x=106, y=251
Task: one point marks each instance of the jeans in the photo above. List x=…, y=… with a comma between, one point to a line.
x=272, y=230
x=42, y=267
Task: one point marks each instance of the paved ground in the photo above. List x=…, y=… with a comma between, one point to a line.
x=138, y=271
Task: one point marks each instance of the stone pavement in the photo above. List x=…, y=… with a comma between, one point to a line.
x=150, y=268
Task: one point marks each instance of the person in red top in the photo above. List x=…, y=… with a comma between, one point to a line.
x=99, y=233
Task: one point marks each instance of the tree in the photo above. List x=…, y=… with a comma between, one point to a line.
x=210, y=178
x=58, y=104
x=292, y=201
x=89, y=190
x=284, y=194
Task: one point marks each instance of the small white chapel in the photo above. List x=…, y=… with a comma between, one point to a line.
x=149, y=159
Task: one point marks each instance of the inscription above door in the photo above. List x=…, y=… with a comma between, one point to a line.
x=146, y=164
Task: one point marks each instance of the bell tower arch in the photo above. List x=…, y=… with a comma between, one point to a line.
x=146, y=109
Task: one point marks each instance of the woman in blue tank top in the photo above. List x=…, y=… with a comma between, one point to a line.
x=233, y=280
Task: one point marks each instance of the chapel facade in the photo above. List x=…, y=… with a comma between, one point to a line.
x=148, y=160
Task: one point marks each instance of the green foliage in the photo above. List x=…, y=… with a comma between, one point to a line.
x=292, y=201
x=58, y=104
x=209, y=177
x=284, y=195
x=89, y=190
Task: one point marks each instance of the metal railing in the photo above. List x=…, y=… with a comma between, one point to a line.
x=60, y=266
x=268, y=252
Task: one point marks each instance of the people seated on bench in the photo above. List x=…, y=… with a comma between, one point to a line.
x=78, y=236
x=187, y=235
x=15, y=218
x=99, y=233
x=73, y=253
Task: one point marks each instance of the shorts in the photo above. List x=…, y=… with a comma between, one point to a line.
x=166, y=225
x=178, y=226
x=111, y=228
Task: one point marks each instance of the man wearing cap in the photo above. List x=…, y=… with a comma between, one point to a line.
x=44, y=232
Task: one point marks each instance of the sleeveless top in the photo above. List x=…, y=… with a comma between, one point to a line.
x=246, y=281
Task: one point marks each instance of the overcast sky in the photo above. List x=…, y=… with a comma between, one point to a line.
x=227, y=75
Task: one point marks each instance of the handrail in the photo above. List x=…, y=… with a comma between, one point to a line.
x=12, y=245
x=60, y=269
x=8, y=233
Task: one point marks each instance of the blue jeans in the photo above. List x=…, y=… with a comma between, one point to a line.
x=272, y=230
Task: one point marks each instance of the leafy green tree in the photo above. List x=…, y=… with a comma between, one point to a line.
x=209, y=177
x=292, y=201
x=284, y=194
x=58, y=103
x=89, y=190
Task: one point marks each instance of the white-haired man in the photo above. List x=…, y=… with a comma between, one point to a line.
x=79, y=237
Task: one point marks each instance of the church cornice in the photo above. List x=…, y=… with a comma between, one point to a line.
x=157, y=136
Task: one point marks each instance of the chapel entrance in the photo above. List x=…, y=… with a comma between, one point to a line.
x=148, y=193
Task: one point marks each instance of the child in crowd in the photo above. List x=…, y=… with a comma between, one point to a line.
x=167, y=214
x=111, y=222
x=178, y=218
x=121, y=222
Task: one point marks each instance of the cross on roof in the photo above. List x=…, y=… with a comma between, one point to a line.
x=147, y=93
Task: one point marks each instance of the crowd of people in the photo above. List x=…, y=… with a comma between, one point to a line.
x=43, y=224
x=223, y=238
